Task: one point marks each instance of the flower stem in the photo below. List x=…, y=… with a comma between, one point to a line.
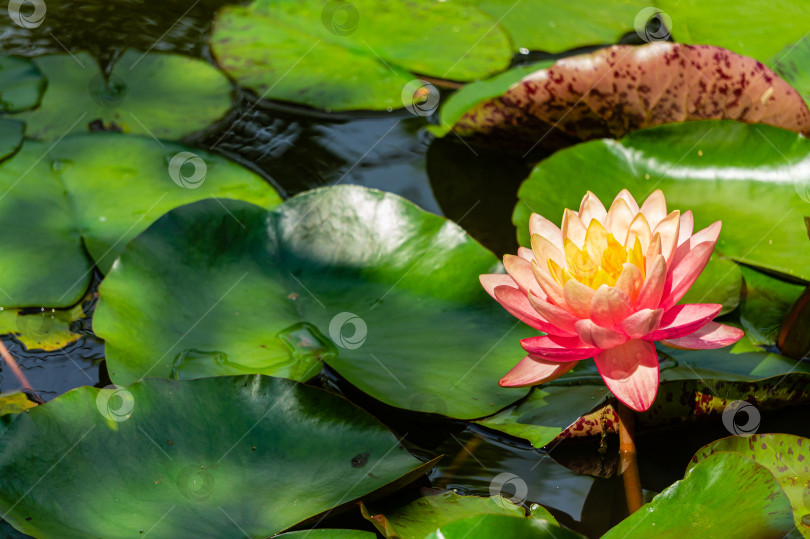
x=627, y=459
x=12, y=364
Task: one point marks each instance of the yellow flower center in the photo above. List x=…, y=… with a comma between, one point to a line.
x=600, y=261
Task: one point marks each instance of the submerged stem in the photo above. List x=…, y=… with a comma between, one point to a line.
x=627, y=459
x=12, y=364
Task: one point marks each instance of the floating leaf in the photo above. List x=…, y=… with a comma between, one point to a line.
x=354, y=55
x=623, y=88
x=785, y=455
x=161, y=95
x=418, y=518
x=720, y=497
x=134, y=459
x=47, y=329
x=748, y=176
x=500, y=526
x=793, y=65
x=328, y=534
x=15, y=403
x=744, y=26
x=92, y=194
x=21, y=84
x=546, y=25
x=11, y=137
x=382, y=291
x=765, y=303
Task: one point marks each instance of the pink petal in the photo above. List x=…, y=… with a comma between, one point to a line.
x=573, y=228
x=521, y=271
x=639, y=228
x=525, y=254
x=560, y=349
x=683, y=275
x=516, y=302
x=492, y=280
x=652, y=252
x=550, y=286
x=591, y=208
x=542, y=249
x=708, y=234
x=618, y=218
x=654, y=208
x=578, y=297
x=712, y=335
x=630, y=371
x=562, y=320
x=543, y=227
x=630, y=281
x=653, y=288
x=610, y=306
x=625, y=195
x=682, y=320
x=686, y=226
x=669, y=230
x=642, y=322
x=533, y=370
x=597, y=336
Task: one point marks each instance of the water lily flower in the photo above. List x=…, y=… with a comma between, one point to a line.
x=606, y=286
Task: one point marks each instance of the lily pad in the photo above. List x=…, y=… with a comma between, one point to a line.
x=324, y=533
x=382, y=291
x=21, y=84
x=161, y=95
x=11, y=137
x=355, y=55
x=744, y=26
x=752, y=177
x=785, y=455
x=15, y=403
x=793, y=65
x=46, y=330
x=420, y=517
x=766, y=301
x=133, y=459
x=550, y=26
x=721, y=496
x=619, y=89
x=92, y=194
x=500, y=526
x=794, y=338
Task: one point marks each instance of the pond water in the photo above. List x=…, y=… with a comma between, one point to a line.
x=297, y=149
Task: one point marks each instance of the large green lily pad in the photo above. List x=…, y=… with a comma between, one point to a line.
x=11, y=137
x=162, y=95
x=551, y=26
x=785, y=455
x=355, y=55
x=21, y=84
x=92, y=194
x=384, y=292
x=204, y=458
x=500, y=526
x=420, y=517
x=748, y=176
x=721, y=497
x=744, y=26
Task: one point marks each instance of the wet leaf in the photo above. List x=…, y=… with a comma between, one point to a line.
x=135, y=459
x=720, y=497
x=21, y=84
x=744, y=26
x=741, y=174
x=418, y=518
x=15, y=403
x=382, y=291
x=161, y=95
x=546, y=25
x=62, y=205
x=46, y=330
x=355, y=55
x=620, y=89
x=785, y=455
x=765, y=303
x=500, y=526
x=11, y=137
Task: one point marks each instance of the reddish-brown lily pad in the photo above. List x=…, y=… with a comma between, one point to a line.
x=623, y=88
